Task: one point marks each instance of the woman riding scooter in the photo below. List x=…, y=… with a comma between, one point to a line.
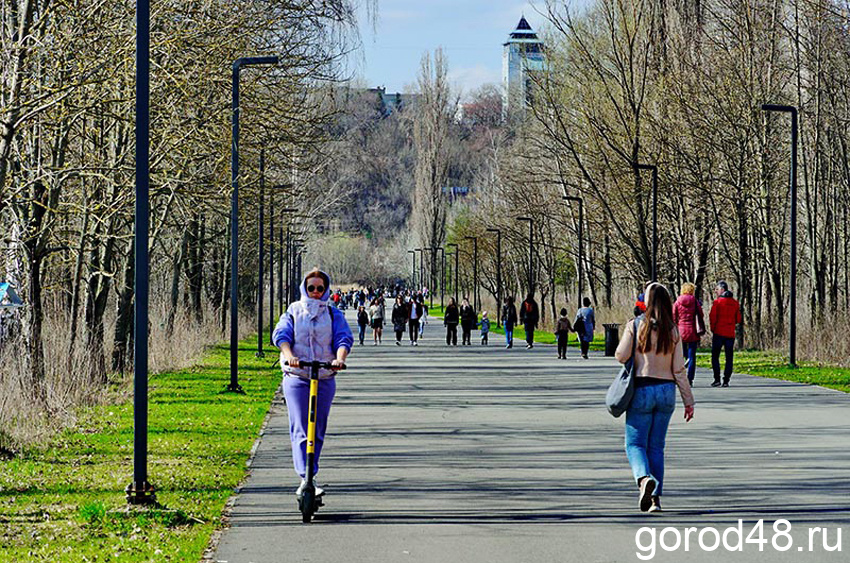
x=310, y=330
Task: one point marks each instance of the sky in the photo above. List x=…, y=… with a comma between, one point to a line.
x=471, y=33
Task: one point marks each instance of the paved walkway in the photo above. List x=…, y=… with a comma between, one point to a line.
x=475, y=454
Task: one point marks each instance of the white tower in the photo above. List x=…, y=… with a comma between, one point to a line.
x=523, y=54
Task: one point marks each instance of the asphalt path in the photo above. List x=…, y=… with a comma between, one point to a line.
x=481, y=454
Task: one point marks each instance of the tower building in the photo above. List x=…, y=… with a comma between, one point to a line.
x=522, y=56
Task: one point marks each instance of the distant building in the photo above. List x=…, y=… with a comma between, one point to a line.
x=392, y=103
x=522, y=56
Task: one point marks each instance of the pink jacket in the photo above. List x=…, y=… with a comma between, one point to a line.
x=685, y=313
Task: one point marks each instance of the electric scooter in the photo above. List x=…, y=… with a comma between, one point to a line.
x=309, y=503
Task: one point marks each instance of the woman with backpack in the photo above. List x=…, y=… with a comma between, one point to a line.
x=658, y=370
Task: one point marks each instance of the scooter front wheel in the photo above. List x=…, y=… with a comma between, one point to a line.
x=307, y=505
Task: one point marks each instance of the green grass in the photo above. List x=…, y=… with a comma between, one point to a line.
x=540, y=336
x=65, y=502
x=775, y=366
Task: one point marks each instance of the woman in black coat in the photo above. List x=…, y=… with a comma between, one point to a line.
x=509, y=317
x=529, y=316
x=468, y=321
x=399, y=318
x=451, y=317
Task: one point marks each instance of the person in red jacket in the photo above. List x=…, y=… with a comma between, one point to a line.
x=724, y=317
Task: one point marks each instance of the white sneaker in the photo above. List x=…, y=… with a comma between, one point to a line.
x=416, y=344
x=300, y=490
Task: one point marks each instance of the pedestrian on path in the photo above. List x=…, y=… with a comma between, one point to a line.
x=376, y=312
x=310, y=330
x=584, y=325
x=724, y=317
x=509, y=316
x=529, y=316
x=468, y=321
x=562, y=333
x=659, y=368
x=424, y=320
x=362, y=322
x=485, y=329
x=451, y=318
x=399, y=318
x=689, y=319
x=414, y=315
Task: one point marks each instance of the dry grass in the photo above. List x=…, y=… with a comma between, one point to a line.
x=27, y=421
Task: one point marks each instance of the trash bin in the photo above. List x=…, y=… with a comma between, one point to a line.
x=612, y=338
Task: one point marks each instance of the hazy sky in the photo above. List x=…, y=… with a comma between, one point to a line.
x=471, y=33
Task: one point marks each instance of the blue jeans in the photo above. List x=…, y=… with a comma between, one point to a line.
x=362, y=333
x=691, y=356
x=647, y=420
x=509, y=335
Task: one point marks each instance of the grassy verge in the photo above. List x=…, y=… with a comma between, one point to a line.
x=775, y=366
x=66, y=502
x=540, y=336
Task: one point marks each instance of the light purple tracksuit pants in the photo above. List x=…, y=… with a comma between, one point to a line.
x=297, y=393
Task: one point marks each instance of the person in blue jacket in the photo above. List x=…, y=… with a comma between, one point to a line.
x=310, y=330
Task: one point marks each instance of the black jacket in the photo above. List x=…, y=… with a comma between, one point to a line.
x=529, y=314
x=451, y=315
x=509, y=315
x=362, y=318
x=399, y=315
x=468, y=317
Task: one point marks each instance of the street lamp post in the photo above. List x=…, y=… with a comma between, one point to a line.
x=475, y=300
x=654, y=216
x=580, y=268
x=793, y=188
x=498, y=275
x=279, y=262
x=413, y=272
x=530, y=252
x=140, y=491
x=262, y=220
x=234, y=217
x=442, y=274
x=457, y=252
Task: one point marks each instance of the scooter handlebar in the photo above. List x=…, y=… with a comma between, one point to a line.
x=325, y=365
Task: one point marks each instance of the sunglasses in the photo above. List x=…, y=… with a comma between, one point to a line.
x=312, y=288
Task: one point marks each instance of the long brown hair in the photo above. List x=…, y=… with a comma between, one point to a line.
x=659, y=317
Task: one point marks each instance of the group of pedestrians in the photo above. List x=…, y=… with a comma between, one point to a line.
x=409, y=314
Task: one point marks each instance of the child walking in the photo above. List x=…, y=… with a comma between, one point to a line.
x=485, y=328
x=562, y=332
